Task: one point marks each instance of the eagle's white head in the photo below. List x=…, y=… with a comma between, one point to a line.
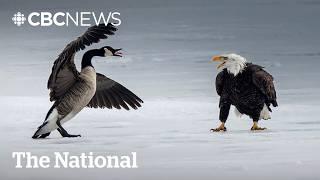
x=234, y=63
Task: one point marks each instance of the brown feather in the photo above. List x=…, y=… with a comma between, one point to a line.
x=112, y=94
x=64, y=73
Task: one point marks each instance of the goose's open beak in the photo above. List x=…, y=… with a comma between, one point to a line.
x=117, y=52
x=219, y=58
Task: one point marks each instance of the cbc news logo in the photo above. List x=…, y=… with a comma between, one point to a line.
x=18, y=18
x=66, y=18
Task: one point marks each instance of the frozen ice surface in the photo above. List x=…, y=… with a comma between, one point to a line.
x=166, y=63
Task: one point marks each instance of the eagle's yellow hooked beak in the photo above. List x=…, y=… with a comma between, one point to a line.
x=219, y=58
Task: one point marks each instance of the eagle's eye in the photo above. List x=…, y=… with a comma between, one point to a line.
x=225, y=58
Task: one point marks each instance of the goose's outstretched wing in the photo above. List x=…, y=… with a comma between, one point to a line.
x=64, y=73
x=112, y=94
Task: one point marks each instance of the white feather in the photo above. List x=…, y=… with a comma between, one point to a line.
x=52, y=121
x=234, y=64
x=265, y=113
x=107, y=52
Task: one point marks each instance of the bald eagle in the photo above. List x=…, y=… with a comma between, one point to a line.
x=246, y=86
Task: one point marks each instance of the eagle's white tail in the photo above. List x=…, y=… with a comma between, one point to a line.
x=265, y=113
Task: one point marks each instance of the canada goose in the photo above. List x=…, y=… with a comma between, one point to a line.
x=71, y=90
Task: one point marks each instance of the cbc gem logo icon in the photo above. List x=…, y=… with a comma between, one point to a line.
x=18, y=18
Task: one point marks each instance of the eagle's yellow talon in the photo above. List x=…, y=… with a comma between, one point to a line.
x=255, y=127
x=220, y=128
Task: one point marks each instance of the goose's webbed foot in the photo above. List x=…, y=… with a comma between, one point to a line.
x=72, y=135
x=64, y=133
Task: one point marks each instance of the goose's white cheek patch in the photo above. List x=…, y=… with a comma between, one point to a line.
x=107, y=52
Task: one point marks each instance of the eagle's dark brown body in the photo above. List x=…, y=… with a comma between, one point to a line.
x=248, y=91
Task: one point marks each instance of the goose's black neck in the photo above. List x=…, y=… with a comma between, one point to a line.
x=87, y=57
